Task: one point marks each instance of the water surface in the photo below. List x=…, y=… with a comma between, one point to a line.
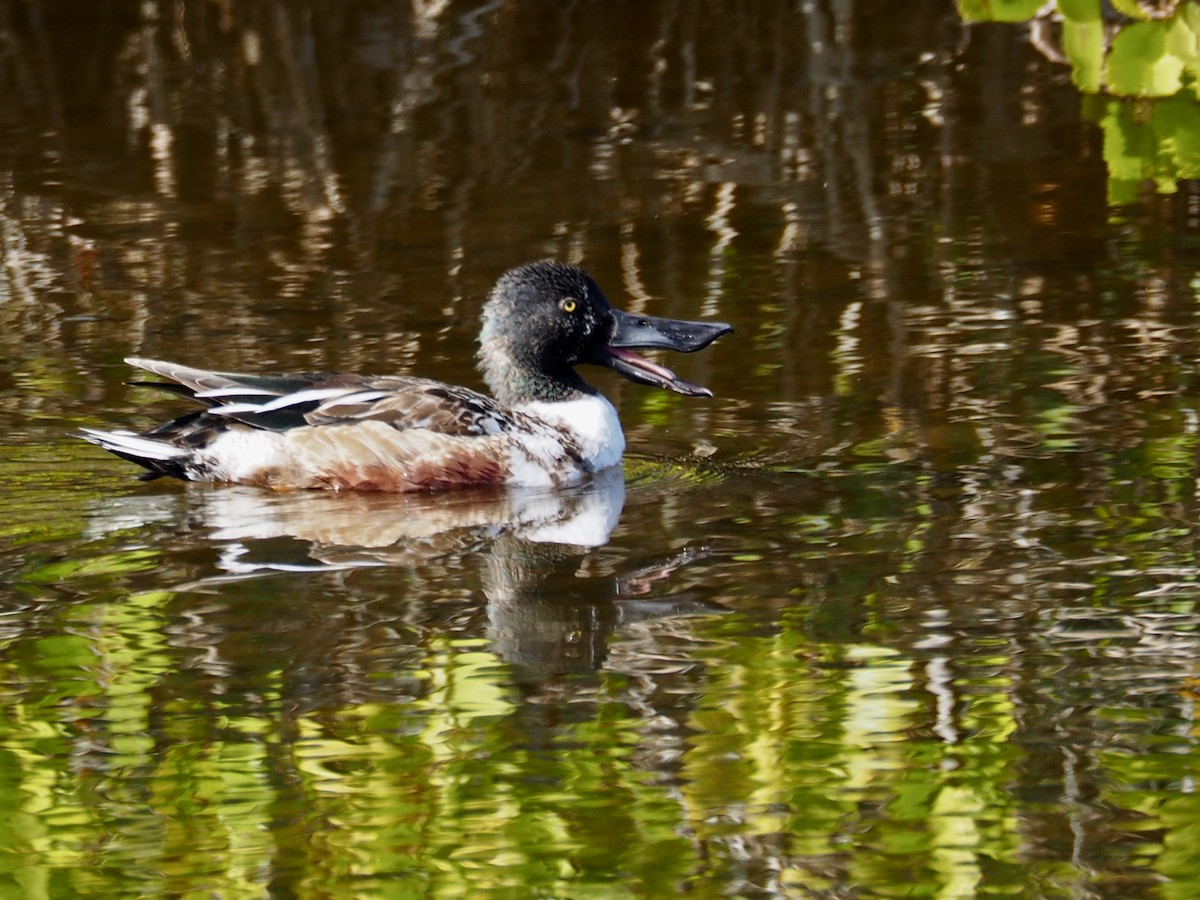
x=909, y=609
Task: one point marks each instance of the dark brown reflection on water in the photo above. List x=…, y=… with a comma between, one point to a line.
x=910, y=606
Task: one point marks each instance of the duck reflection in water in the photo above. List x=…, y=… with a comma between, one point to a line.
x=552, y=600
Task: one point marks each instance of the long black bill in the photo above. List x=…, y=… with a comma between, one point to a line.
x=652, y=332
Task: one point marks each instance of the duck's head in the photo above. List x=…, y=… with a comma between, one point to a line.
x=542, y=319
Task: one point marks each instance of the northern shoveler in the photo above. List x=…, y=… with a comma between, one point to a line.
x=544, y=426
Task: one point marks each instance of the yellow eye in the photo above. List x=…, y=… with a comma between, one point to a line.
x=566, y=304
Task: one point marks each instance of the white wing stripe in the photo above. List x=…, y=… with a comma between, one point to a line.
x=298, y=398
x=303, y=397
x=235, y=391
x=236, y=409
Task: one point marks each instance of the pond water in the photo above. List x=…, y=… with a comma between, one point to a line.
x=909, y=609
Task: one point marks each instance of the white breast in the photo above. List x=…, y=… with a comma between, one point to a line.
x=591, y=421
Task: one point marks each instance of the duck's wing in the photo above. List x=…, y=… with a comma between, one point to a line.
x=407, y=403
x=220, y=388
x=283, y=402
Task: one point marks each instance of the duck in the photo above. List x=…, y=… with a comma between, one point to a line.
x=543, y=426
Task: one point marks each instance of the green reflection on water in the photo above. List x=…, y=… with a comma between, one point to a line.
x=212, y=798
x=960, y=659
x=837, y=762
x=823, y=744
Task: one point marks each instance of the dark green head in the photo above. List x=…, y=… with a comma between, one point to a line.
x=542, y=319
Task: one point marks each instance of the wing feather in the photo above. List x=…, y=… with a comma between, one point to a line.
x=284, y=402
x=218, y=388
x=415, y=404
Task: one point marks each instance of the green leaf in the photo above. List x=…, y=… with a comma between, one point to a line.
x=1080, y=10
x=1183, y=42
x=1083, y=44
x=1131, y=8
x=1139, y=64
x=999, y=10
x=1162, y=145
